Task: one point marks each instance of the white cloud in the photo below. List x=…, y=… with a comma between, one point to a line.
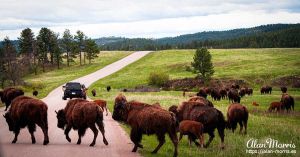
x=142, y=18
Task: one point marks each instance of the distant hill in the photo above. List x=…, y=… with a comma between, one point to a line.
x=191, y=40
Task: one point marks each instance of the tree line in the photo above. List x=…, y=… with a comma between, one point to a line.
x=46, y=50
x=265, y=37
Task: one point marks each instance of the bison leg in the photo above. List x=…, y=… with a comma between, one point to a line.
x=180, y=136
x=67, y=130
x=241, y=127
x=161, y=140
x=245, y=126
x=201, y=140
x=17, y=131
x=101, y=128
x=174, y=139
x=222, y=135
x=81, y=132
x=94, y=129
x=211, y=137
x=31, y=129
x=136, y=138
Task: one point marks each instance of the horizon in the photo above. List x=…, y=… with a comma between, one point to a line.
x=142, y=18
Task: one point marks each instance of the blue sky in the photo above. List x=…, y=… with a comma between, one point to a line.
x=142, y=18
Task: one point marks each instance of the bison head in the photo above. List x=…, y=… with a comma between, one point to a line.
x=9, y=121
x=61, y=119
x=120, y=108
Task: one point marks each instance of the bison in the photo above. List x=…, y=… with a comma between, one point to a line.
x=108, y=88
x=9, y=94
x=223, y=93
x=266, y=90
x=234, y=96
x=215, y=94
x=146, y=119
x=102, y=104
x=81, y=114
x=210, y=117
x=202, y=93
x=249, y=91
x=194, y=130
x=94, y=93
x=237, y=113
x=287, y=101
x=26, y=111
x=35, y=93
x=275, y=105
x=242, y=92
x=283, y=89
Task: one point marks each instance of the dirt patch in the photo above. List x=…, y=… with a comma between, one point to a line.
x=141, y=89
x=196, y=83
x=293, y=81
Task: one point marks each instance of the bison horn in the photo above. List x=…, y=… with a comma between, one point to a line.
x=55, y=111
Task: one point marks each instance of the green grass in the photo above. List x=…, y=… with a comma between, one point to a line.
x=248, y=64
x=48, y=81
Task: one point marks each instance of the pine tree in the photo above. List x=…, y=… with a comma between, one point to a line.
x=67, y=43
x=80, y=40
x=91, y=49
x=202, y=64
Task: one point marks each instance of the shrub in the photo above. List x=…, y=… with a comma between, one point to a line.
x=158, y=79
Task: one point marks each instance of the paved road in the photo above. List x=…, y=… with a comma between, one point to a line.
x=119, y=143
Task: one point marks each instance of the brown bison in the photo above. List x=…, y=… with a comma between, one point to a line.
x=80, y=114
x=201, y=100
x=223, y=93
x=146, y=119
x=194, y=130
x=35, y=93
x=242, y=92
x=283, y=89
x=94, y=93
x=287, y=101
x=233, y=96
x=108, y=88
x=26, y=111
x=210, y=117
x=266, y=90
x=8, y=94
x=202, y=93
x=275, y=105
x=249, y=91
x=102, y=104
x=237, y=113
x=215, y=94
x=235, y=86
x=207, y=90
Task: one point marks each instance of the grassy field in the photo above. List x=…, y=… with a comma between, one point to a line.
x=46, y=82
x=248, y=64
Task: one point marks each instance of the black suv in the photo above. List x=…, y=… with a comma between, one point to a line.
x=74, y=90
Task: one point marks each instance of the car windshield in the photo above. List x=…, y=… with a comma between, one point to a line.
x=75, y=86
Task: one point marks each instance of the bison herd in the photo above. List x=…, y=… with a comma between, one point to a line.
x=192, y=117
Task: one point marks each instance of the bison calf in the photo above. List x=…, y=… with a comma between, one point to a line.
x=194, y=130
x=275, y=105
x=237, y=113
x=80, y=114
x=94, y=93
x=26, y=111
x=102, y=104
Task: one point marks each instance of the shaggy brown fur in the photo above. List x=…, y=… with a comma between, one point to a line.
x=210, y=117
x=242, y=92
x=207, y=90
x=156, y=105
x=237, y=113
x=102, y=104
x=287, y=101
x=194, y=130
x=94, y=93
x=249, y=91
x=26, y=111
x=9, y=94
x=215, y=94
x=80, y=114
x=146, y=119
x=275, y=105
x=201, y=100
x=266, y=90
